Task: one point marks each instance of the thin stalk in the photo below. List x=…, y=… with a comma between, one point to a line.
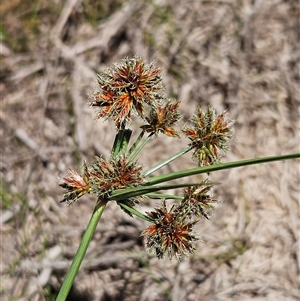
x=167, y=161
x=140, y=147
x=207, y=169
x=68, y=282
x=137, y=141
x=135, y=212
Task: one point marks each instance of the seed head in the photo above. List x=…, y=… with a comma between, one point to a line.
x=126, y=88
x=76, y=185
x=171, y=234
x=163, y=118
x=116, y=173
x=198, y=202
x=208, y=134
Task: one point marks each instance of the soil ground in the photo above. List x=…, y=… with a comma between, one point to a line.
x=242, y=56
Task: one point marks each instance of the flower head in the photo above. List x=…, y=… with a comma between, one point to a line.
x=127, y=88
x=116, y=173
x=208, y=134
x=171, y=234
x=162, y=118
x=76, y=185
x=197, y=201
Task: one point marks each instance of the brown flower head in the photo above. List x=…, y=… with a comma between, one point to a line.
x=197, y=201
x=127, y=88
x=209, y=133
x=76, y=185
x=162, y=118
x=172, y=233
x=117, y=173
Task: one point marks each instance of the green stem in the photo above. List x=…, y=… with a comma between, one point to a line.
x=167, y=161
x=136, y=143
x=69, y=279
x=140, y=147
x=207, y=169
x=135, y=212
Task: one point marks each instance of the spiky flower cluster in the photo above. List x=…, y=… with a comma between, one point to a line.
x=133, y=88
x=209, y=133
x=76, y=185
x=102, y=178
x=197, y=200
x=126, y=88
x=162, y=118
x=171, y=233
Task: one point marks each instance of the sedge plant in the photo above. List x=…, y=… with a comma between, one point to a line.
x=131, y=90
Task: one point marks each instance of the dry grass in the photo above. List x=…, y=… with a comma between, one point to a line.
x=237, y=55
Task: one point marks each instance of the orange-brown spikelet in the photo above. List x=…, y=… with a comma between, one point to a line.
x=197, y=201
x=126, y=88
x=76, y=185
x=208, y=134
x=163, y=118
x=116, y=173
x=171, y=234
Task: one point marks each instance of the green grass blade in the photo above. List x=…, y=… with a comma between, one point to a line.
x=128, y=193
x=221, y=166
x=164, y=196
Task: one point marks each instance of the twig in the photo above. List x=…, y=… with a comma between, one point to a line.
x=63, y=18
x=109, y=29
x=25, y=138
x=27, y=71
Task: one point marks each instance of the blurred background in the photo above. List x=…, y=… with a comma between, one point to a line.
x=242, y=56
